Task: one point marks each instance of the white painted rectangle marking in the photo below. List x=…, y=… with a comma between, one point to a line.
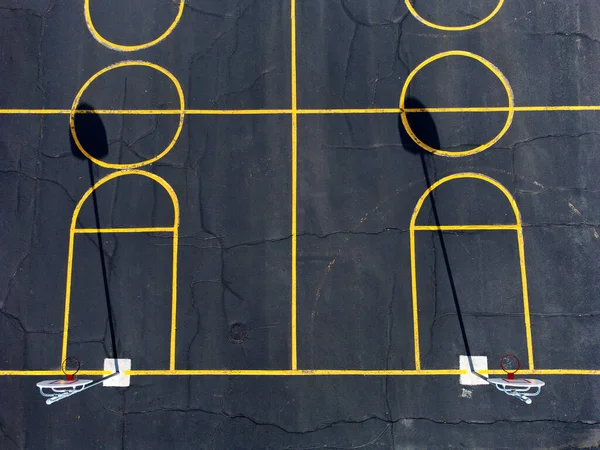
x=479, y=363
x=120, y=380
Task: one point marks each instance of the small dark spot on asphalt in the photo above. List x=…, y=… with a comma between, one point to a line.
x=237, y=333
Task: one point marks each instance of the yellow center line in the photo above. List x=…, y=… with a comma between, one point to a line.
x=295, y=111
x=294, y=183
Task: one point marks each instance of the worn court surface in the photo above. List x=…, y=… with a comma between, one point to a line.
x=294, y=181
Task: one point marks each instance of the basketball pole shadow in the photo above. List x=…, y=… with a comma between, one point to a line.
x=92, y=137
x=424, y=127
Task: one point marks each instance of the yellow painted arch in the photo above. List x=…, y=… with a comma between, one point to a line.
x=467, y=175
x=175, y=230
x=128, y=48
x=486, y=19
x=517, y=226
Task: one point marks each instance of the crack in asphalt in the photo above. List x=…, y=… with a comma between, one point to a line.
x=335, y=423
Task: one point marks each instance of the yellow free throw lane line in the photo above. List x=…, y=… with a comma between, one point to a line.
x=125, y=230
x=517, y=226
x=294, y=183
x=464, y=227
x=174, y=229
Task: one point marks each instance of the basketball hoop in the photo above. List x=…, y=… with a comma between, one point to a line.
x=522, y=388
x=70, y=366
x=56, y=390
x=510, y=363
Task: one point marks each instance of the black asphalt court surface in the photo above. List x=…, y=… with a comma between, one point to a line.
x=294, y=217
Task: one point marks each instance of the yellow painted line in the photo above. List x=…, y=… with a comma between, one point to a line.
x=128, y=48
x=464, y=227
x=112, y=67
x=525, y=298
x=484, y=62
x=351, y=111
x=344, y=372
x=134, y=112
x=520, y=242
x=486, y=19
x=294, y=185
x=34, y=111
x=415, y=304
x=175, y=202
x=124, y=230
x=174, y=230
x=482, y=109
x=68, y=285
x=163, y=112
x=52, y=373
x=558, y=108
x=492, y=109
x=545, y=372
x=467, y=175
x=297, y=372
x=243, y=112
x=140, y=112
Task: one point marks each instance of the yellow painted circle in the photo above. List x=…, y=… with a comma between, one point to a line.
x=493, y=69
x=417, y=16
x=107, y=69
x=128, y=48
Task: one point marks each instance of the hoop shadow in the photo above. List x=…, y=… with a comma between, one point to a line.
x=91, y=134
x=425, y=129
